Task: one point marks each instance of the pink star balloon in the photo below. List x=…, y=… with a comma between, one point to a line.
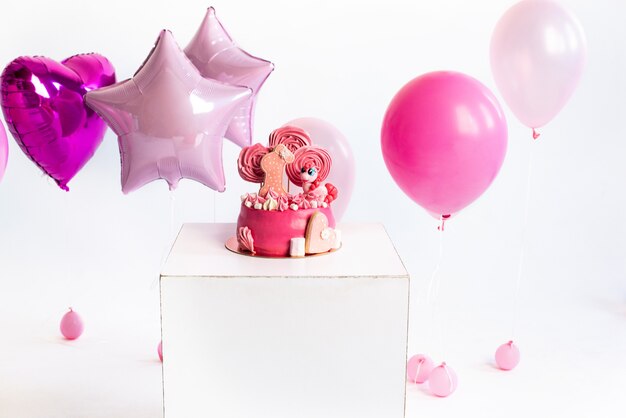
x=216, y=56
x=170, y=120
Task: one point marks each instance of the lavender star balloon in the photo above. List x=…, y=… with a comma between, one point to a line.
x=170, y=120
x=217, y=56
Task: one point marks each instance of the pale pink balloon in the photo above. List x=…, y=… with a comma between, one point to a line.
x=418, y=368
x=538, y=52
x=507, y=356
x=342, y=173
x=71, y=325
x=170, y=120
x=4, y=150
x=443, y=139
x=442, y=381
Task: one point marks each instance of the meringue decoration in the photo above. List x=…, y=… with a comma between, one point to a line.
x=245, y=240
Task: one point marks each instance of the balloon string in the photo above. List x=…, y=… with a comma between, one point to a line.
x=522, y=254
x=431, y=298
x=214, y=205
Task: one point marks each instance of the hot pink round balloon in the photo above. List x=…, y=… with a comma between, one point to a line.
x=444, y=139
x=71, y=325
x=538, y=52
x=42, y=102
x=4, y=151
x=342, y=173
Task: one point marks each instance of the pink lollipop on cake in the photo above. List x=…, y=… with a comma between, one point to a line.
x=292, y=138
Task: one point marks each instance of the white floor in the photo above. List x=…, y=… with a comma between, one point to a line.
x=573, y=345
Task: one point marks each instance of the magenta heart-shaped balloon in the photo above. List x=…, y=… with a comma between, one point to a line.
x=42, y=102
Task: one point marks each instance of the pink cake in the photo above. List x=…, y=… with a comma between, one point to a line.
x=295, y=221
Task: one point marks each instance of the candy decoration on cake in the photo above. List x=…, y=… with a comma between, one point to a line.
x=217, y=56
x=327, y=136
x=71, y=325
x=273, y=165
x=538, y=53
x=444, y=138
x=170, y=120
x=274, y=222
x=507, y=356
x=320, y=238
x=418, y=368
x=42, y=102
x=4, y=151
x=442, y=381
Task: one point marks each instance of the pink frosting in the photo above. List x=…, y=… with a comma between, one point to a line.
x=273, y=230
x=249, y=163
x=245, y=240
x=292, y=137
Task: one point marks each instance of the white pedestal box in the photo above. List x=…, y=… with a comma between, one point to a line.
x=318, y=337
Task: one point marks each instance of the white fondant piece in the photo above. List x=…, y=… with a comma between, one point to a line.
x=248, y=204
x=258, y=206
x=293, y=206
x=296, y=247
x=314, y=204
x=337, y=244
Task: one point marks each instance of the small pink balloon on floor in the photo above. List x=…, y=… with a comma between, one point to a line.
x=442, y=381
x=71, y=325
x=327, y=136
x=507, y=356
x=4, y=150
x=418, y=368
x=160, y=350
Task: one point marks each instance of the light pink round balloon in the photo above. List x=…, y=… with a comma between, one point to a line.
x=342, y=173
x=71, y=325
x=4, y=150
x=418, y=368
x=444, y=138
x=538, y=53
x=442, y=381
x=507, y=356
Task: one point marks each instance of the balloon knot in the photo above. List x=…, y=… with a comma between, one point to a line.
x=536, y=134
x=444, y=218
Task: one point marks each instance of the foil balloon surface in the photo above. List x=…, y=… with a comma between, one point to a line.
x=42, y=102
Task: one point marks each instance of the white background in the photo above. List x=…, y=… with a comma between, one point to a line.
x=100, y=251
